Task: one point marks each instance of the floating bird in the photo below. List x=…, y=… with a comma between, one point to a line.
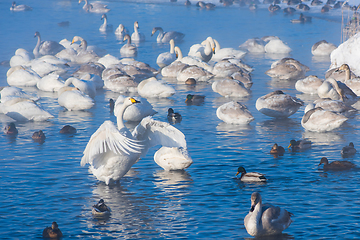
x=67, y=129
x=167, y=58
x=165, y=37
x=52, y=232
x=128, y=49
x=105, y=27
x=38, y=136
x=337, y=90
x=173, y=158
x=46, y=47
x=121, y=31
x=19, y=8
x=100, y=210
x=153, y=88
x=322, y=48
x=173, y=117
x=95, y=7
x=277, y=150
x=299, y=145
x=348, y=151
x=136, y=36
x=234, y=113
x=265, y=219
x=194, y=99
x=250, y=176
x=336, y=165
x=10, y=129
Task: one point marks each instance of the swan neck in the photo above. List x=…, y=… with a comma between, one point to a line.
x=172, y=47
x=179, y=53
x=135, y=28
x=347, y=74
x=36, y=49
x=119, y=118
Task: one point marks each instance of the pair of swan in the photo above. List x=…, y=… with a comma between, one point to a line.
x=128, y=49
x=278, y=104
x=95, y=7
x=112, y=151
x=105, y=27
x=234, y=113
x=137, y=36
x=165, y=37
x=204, y=51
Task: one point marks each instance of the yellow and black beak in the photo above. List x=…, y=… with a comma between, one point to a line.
x=133, y=100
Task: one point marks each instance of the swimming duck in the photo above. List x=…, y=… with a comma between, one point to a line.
x=265, y=219
x=194, y=99
x=67, y=129
x=10, y=129
x=348, y=151
x=278, y=104
x=38, y=136
x=250, y=176
x=165, y=37
x=234, y=113
x=173, y=117
x=336, y=165
x=52, y=232
x=274, y=8
x=173, y=158
x=299, y=145
x=277, y=150
x=19, y=8
x=100, y=210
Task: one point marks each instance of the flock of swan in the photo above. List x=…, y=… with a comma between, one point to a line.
x=75, y=71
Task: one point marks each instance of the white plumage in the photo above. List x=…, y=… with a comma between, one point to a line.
x=174, y=158
x=153, y=88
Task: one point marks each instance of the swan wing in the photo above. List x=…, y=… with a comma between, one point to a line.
x=108, y=139
x=158, y=133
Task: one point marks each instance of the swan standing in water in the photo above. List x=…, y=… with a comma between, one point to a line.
x=105, y=27
x=111, y=151
x=137, y=36
x=46, y=47
x=165, y=37
x=167, y=58
x=265, y=219
x=19, y=8
x=95, y=7
x=129, y=49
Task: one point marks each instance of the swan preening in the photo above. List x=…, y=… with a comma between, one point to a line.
x=111, y=151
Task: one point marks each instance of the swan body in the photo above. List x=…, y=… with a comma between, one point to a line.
x=152, y=88
x=265, y=219
x=46, y=47
x=50, y=83
x=8, y=93
x=174, y=158
x=352, y=82
x=277, y=46
x=320, y=120
x=105, y=27
x=100, y=210
x=84, y=55
x=287, y=69
x=21, y=57
x=167, y=58
x=348, y=151
x=225, y=68
x=43, y=68
x=165, y=37
x=204, y=52
x=277, y=104
x=250, y=176
x=108, y=60
x=336, y=106
x=322, y=48
x=19, y=8
x=224, y=53
x=136, y=36
x=20, y=76
x=111, y=151
x=230, y=88
x=192, y=60
x=128, y=49
x=73, y=99
x=336, y=165
x=121, y=31
x=336, y=90
x=173, y=69
x=234, y=113
x=135, y=112
x=95, y=7
x=195, y=72
x=308, y=85
x=253, y=45
x=85, y=86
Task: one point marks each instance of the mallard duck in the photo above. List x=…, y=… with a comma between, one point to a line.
x=38, y=136
x=278, y=150
x=52, y=232
x=10, y=129
x=173, y=117
x=67, y=129
x=194, y=99
x=348, y=151
x=251, y=176
x=299, y=145
x=100, y=210
x=265, y=219
x=336, y=165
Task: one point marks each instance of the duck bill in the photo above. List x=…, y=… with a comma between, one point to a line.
x=289, y=145
x=237, y=173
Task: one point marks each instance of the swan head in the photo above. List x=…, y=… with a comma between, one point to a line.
x=76, y=39
x=103, y=17
x=240, y=170
x=37, y=34
x=343, y=67
x=136, y=24
x=127, y=37
x=129, y=101
x=156, y=29
x=255, y=199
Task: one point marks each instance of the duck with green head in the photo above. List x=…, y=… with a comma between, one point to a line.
x=250, y=176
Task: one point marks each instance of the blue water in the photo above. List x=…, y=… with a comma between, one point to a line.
x=42, y=183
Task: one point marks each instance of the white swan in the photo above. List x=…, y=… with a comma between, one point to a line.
x=192, y=60
x=19, y=8
x=137, y=36
x=153, y=88
x=287, y=69
x=21, y=57
x=230, y=88
x=234, y=113
x=335, y=106
x=336, y=90
x=253, y=45
x=84, y=55
x=95, y=7
x=20, y=76
x=136, y=112
x=322, y=48
x=111, y=151
x=277, y=104
x=223, y=53
x=72, y=98
x=86, y=86
x=352, y=82
x=50, y=83
x=43, y=68
x=204, y=51
x=309, y=84
x=225, y=68
x=277, y=46
x=105, y=27
x=128, y=49
x=167, y=58
x=265, y=219
x=195, y=72
x=173, y=158
x=320, y=120
x=121, y=31
x=172, y=70
x=165, y=37
x=46, y=47
x=8, y=93
x=109, y=60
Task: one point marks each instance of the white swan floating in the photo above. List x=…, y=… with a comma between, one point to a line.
x=153, y=88
x=95, y=7
x=112, y=151
x=128, y=49
x=174, y=158
x=234, y=113
x=46, y=47
x=72, y=98
x=137, y=36
x=105, y=27
x=167, y=58
x=165, y=37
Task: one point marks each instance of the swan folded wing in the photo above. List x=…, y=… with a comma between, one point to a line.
x=108, y=139
x=158, y=133
x=275, y=219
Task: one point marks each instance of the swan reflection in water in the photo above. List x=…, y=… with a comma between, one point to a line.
x=172, y=180
x=324, y=138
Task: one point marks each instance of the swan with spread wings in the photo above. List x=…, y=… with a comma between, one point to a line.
x=112, y=151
